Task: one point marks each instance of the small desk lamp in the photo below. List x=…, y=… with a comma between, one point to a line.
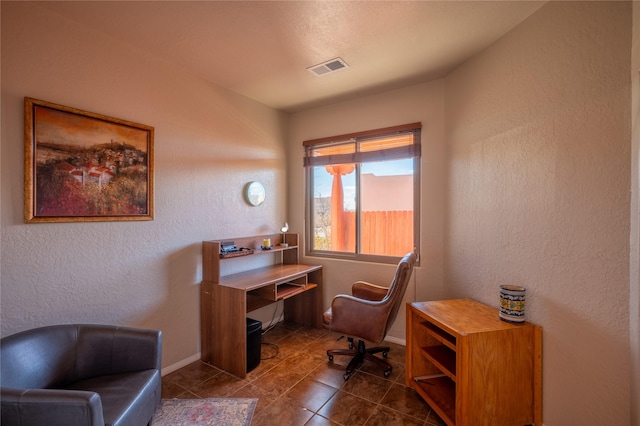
x=284, y=229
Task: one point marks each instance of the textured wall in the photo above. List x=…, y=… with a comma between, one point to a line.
x=208, y=143
x=539, y=181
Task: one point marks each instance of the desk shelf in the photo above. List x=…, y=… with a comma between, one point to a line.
x=226, y=300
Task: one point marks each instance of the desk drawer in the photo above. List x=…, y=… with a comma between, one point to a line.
x=280, y=290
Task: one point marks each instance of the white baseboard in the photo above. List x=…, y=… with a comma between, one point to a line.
x=178, y=365
x=395, y=340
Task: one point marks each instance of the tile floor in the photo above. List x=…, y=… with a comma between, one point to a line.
x=297, y=385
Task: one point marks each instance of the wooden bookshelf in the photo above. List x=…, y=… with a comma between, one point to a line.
x=472, y=368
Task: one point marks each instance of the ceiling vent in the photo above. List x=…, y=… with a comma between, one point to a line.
x=328, y=67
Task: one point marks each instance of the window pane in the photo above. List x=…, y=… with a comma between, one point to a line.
x=333, y=208
x=386, y=203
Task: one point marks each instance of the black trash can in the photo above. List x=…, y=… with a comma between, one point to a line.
x=254, y=341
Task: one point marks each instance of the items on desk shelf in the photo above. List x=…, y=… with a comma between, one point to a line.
x=228, y=249
x=284, y=230
x=266, y=244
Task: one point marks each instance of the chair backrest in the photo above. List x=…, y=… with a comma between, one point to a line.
x=369, y=313
x=54, y=356
x=398, y=288
x=39, y=358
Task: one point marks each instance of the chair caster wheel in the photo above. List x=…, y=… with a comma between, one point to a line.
x=387, y=373
x=346, y=377
x=330, y=358
x=385, y=354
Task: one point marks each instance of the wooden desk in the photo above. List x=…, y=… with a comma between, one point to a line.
x=226, y=300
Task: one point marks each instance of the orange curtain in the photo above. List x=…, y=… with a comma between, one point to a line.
x=338, y=228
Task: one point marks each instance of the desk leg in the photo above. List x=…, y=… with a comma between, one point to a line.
x=206, y=307
x=306, y=308
x=228, y=330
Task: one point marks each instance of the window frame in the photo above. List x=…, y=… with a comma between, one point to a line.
x=413, y=152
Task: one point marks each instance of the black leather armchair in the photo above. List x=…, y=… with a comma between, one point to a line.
x=76, y=374
x=368, y=313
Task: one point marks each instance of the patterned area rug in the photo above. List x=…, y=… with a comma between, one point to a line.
x=205, y=412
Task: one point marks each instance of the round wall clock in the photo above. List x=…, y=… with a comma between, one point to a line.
x=254, y=193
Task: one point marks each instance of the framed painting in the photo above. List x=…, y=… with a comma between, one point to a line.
x=85, y=167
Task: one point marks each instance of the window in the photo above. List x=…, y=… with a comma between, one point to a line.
x=363, y=194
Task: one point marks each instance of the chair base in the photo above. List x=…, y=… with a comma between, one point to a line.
x=360, y=354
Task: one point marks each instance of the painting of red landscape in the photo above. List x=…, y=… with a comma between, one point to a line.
x=82, y=166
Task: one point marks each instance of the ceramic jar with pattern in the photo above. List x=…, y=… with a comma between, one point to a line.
x=512, y=300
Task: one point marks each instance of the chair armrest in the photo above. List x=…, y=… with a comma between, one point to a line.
x=364, y=318
x=368, y=291
x=51, y=407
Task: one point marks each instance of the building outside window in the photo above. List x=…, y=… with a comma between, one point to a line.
x=363, y=194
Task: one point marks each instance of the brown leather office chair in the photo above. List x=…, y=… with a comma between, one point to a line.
x=368, y=313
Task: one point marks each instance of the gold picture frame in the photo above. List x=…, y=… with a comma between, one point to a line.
x=81, y=166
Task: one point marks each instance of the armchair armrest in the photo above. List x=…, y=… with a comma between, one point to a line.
x=53, y=407
x=368, y=291
x=360, y=317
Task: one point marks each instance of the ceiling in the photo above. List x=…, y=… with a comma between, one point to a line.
x=262, y=49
